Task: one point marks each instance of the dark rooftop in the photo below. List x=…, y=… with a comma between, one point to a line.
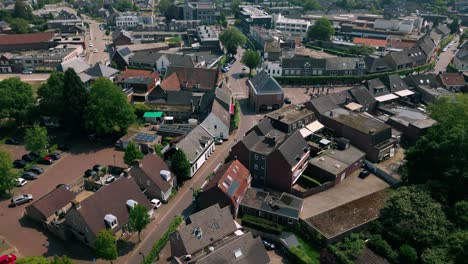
x=286, y=205
x=290, y=113
x=357, y=121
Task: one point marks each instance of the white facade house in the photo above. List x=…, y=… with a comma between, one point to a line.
x=293, y=27
x=404, y=26
x=130, y=20
x=273, y=68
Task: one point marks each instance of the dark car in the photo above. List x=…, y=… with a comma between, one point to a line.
x=98, y=168
x=11, y=141
x=20, y=163
x=46, y=160
x=60, y=185
x=55, y=155
x=28, y=158
x=287, y=100
x=35, y=154
x=364, y=174
x=36, y=169
x=89, y=173
x=28, y=175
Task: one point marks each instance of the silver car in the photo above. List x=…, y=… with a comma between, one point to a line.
x=21, y=199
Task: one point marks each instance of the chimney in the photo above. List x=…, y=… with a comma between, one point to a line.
x=331, y=113
x=76, y=204
x=196, y=58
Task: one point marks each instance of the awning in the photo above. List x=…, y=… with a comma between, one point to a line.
x=324, y=141
x=305, y=132
x=386, y=97
x=353, y=106
x=404, y=93
x=314, y=126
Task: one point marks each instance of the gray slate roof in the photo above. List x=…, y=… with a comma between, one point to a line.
x=376, y=64
x=265, y=84
x=99, y=70
x=362, y=96
x=78, y=64
x=341, y=63
x=192, y=144
x=150, y=57
x=286, y=205
x=293, y=148
x=296, y=63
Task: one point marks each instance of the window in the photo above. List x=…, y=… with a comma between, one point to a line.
x=256, y=157
x=290, y=221
x=255, y=167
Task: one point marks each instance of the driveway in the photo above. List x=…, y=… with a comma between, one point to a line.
x=28, y=238
x=350, y=189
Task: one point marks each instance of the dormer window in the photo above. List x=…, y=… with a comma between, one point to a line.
x=111, y=221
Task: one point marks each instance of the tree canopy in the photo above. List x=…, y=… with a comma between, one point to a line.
x=19, y=26
x=180, y=164
x=251, y=59
x=51, y=95
x=123, y=5
x=132, y=154
x=16, y=99
x=105, y=245
x=163, y=6
x=108, y=111
x=36, y=138
x=22, y=10
x=138, y=219
x=75, y=100
x=321, y=30
x=7, y=175
x=33, y=260
x=232, y=38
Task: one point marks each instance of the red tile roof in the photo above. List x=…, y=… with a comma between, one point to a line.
x=129, y=73
x=452, y=79
x=16, y=39
x=207, y=79
x=171, y=83
x=370, y=42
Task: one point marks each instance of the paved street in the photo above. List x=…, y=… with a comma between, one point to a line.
x=98, y=38
x=446, y=57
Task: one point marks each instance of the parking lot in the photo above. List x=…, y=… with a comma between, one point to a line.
x=28, y=238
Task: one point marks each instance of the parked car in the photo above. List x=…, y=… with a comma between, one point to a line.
x=21, y=199
x=98, y=168
x=268, y=245
x=11, y=141
x=36, y=169
x=35, y=154
x=363, y=174
x=60, y=185
x=46, y=160
x=20, y=163
x=244, y=68
x=8, y=259
x=89, y=173
x=95, y=50
x=109, y=179
x=55, y=155
x=27, y=72
x=28, y=175
x=90, y=44
x=156, y=203
x=20, y=182
x=27, y=157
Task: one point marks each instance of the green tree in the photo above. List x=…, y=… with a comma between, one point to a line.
x=352, y=246
x=19, y=26
x=251, y=59
x=124, y=5
x=232, y=38
x=22, y=10
x=75, y=100
x=163, y=6
x=138, y=219
x=33, y=260
x=180, y=165
x=105, y=245
x=36, y=138
x=436, y=255
x=321, y=30
x=50, y=95
x=461, y=214
x=412, y=216
x=408, y=254
x=464, y=36
x=61, y=260
x=158, y=150
x=454, y=26
x=140, y=109
x=108, y=111
x=235, y=7
x=132, y=154
x=16, y=99
x=7, y=175
x=440, y=157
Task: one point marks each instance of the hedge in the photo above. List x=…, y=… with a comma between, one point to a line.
x=161, y=243
x=235, y=120
x=262, y=224
x=331, y=51
x=307, y=80
x=299, y=256
x=308, y=181
x=382, y=248
x=339, y=256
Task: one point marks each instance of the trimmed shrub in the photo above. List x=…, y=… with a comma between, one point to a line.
x=299, y=256
x=342, y=258
x=161, y=243
x=261, y=224
x=382, y=248
x=408, y=254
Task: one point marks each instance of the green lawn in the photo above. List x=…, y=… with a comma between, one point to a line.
x=309, y=249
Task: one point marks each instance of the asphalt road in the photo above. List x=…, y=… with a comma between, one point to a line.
x=98, y=38
x=446, y=57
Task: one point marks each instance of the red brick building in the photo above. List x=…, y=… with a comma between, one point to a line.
x=31, y=41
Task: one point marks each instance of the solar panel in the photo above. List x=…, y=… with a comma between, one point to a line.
x=233, y=188
x=125, y=51
x=145, y=137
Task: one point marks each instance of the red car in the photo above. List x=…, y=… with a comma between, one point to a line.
x=8, y=259
x=46, y=160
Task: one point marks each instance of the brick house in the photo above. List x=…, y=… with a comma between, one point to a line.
x=265, y=93
x=275, y=159
x=154, y=177
x=140, y=82
x=290, y=118
x=454, y=82
x=227, y=187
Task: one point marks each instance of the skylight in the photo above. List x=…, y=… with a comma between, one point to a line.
x=237, y=253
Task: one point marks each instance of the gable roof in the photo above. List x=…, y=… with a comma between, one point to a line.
x=111, y=199
x=205, y=228
x=151, y=166
x=301, y=62
x=192, y=143
x=341, y=63
x=231, y=178
x=293, y=148
x=374, y=64
x=244, y=249
x=125, y=53
x=18, y=39
x=207, y=79
x=78, y=64
x=450, y=79
x=132, y=73
x=395, y=83
x=220, y=112
x=100, y=70
x=53, y=201
x=121, y=32
x=263, y=83
x=362, y=96
x=322, y=104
